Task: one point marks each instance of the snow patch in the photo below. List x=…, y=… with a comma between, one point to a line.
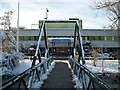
x=38, y=84
x=23, y=66
x=109, y=66
x=77, y=82
x=8, y=62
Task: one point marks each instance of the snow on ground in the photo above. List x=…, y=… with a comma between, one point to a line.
x=23, y=65
x=109, y=66
x=37, y=83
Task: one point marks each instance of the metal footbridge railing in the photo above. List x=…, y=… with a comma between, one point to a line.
x=34, y=74
x=87, y=79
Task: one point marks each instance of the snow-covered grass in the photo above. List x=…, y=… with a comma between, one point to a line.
x=38, y=84
x=9, y=61
x=106, y=66
x=23, y=65
x=109, y=66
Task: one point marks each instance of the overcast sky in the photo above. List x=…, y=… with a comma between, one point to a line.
x=31, y=11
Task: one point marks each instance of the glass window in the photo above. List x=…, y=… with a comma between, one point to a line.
x=100, y=37
x=35, y=37
x=83, y=37
x=25, y=38
x=96, y=37
x=20, y=38
x=109, y=38
x=29, y=37
x=93, y=37
x=32, y=38
x=90, y=37
x=116, y=38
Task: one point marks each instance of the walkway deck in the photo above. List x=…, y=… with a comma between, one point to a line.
x=60, y=77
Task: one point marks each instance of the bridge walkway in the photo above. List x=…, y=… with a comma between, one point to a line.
x=60, y=77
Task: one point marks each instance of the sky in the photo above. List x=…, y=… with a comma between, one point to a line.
x=31, y=11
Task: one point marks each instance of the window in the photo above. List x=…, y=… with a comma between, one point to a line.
x=109, y=38
x=90, y=37
x=112, y=38
x=83, y=37
x=96, y=37
x=25, y=38
x=100, y=37
x=34, y=37
x=29, y=37
x=21, y=38
x=116, y=38
x=93, y=37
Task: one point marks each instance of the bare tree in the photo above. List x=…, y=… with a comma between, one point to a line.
x=112, y=8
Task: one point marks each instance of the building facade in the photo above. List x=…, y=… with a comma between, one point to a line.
x=99, y=38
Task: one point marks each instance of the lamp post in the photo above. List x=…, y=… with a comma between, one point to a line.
x=18, y=27
x=47, y=13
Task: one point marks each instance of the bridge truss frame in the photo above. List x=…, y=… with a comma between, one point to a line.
x=35, y=72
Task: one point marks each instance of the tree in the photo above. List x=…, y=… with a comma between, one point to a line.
x=112, y=8
x=8, y=41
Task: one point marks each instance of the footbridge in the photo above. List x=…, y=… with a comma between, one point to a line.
x=51, y=72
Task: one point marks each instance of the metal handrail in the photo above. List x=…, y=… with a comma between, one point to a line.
x=81, y=43
x=93, y=79
x=17, y=78
x=39, y=40
x=77, y=31
x=33, y=71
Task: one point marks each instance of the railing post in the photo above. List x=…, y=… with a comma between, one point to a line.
x=39, y=56
x=80, y=44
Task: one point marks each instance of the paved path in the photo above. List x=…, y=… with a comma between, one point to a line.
x=60, y=77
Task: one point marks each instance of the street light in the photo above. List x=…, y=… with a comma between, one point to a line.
x=47, y=13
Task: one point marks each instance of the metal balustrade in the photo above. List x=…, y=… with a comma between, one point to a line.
x=87, y=79
x=26, y=79
x=36, y=71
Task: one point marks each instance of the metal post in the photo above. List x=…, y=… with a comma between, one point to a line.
x=47, y=13
x=45, y=36
x=80, y=44
x=18, y=27
x=74, y=42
